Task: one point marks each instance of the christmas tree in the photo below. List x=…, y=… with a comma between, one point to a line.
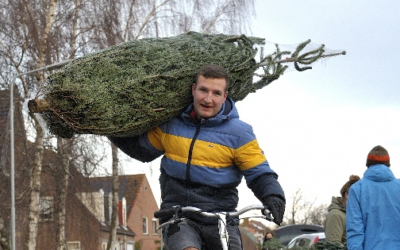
x=131, y=87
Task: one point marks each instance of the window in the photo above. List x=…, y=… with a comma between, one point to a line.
x=74, y=245
x=154, y=224
x=130, y=246
x=303, y=242
x=104, y=245
x=145, y=227
x=46, y=208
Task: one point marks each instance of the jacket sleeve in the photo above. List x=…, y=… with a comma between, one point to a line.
x=260, y=178
x=138, y=147
x=334, y=227
x=267, y=185
x=354, y=222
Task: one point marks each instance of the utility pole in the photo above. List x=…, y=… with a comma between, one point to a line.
x=12, y=157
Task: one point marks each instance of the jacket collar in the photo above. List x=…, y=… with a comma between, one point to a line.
x=228, y=111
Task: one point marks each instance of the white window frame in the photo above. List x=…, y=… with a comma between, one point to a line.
x=69, y=243
x=154, y=226
x=117, y=246
x=145, y=225
x=104, y=245
x=46, y=208
x=130, y=245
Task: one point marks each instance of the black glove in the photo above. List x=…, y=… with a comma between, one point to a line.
x=277, y=207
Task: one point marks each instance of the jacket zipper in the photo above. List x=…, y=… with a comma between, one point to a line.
x=189, y=162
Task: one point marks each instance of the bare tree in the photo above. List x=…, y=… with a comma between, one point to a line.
x=37, y=33
x=28, y=31
x=300, y=210
x=318, y=214
x=64, y=152
x=42, y=39
x=41, y=34
x=122, y=20
x=125, y=20
x=89, y=154
x=291, y=215
x=115, y=199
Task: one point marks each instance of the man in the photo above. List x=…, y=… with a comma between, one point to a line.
x=373, y=206
x=335, y=223
x=207, y=150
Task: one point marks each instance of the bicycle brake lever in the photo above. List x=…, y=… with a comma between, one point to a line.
x=267, y=214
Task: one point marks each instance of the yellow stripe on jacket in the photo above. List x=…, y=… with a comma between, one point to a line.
x=206, y=153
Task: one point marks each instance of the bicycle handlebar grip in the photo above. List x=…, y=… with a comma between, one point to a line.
x=165, y=212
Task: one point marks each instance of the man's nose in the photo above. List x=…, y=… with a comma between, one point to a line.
x=208, y=97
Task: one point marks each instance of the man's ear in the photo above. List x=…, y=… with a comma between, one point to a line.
x=193, y=87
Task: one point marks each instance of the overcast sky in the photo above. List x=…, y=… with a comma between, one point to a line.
x=317, y=126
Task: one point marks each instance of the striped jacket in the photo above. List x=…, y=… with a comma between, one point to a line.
x=205, y=161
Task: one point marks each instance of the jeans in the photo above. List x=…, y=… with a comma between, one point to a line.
x=191, y=234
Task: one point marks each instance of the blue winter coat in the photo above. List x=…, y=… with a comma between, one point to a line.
x=204, y=162
x=373, y=211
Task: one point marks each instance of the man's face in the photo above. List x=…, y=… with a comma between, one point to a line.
x=208, y=96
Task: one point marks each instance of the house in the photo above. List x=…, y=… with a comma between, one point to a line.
x=135, y=192
x=258, y=229
x=87, y=219
x=252, y=232
x=21, y=164
x=84, y=229
x=249, y=241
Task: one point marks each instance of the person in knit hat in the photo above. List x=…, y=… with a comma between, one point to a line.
x=373, y=206
x=335, y=224
x=378, y=155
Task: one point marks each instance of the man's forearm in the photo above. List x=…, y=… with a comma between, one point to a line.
x=131, y=146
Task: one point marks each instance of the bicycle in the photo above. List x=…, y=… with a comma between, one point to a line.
x=176, y=213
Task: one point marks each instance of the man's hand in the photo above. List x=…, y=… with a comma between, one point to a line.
x=277, y=208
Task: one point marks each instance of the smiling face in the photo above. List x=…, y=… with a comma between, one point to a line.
x=208, y=96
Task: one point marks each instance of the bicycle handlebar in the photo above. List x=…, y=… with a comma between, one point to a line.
x=176, y=209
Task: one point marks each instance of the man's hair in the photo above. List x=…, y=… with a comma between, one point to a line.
x=213, y=71
x=346, y=187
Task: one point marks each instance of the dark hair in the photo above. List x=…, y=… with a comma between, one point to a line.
x=269, y=232
x=265, y=235
x=345, y=189
x=213, y=71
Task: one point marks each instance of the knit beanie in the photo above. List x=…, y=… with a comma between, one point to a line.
x=378, y=155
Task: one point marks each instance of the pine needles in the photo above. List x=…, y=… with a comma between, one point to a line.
x=134, y=86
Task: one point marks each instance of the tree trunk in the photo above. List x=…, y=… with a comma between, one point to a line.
x=64, y=154
x=49, y=24
x=33, y=214
x=74, y=29
x=4, y=236
x=35, y=183
x=115, y=200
